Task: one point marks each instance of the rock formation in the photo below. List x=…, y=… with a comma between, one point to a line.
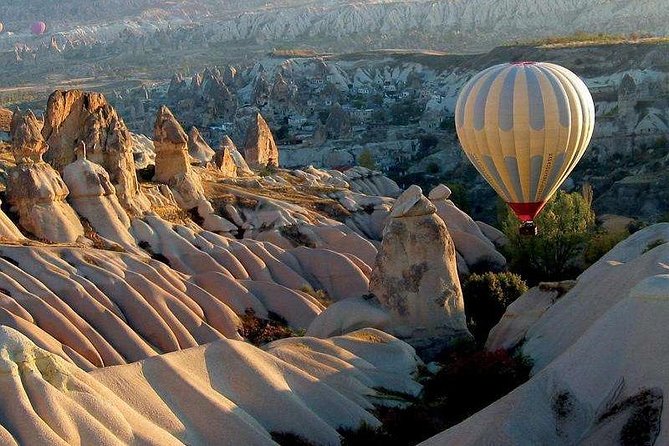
x=74, y=116
x=599, y=357
x=92, y=196
x=320, y=386
x=228, y=160
x=171, y=146
x=338, y=123
x=35, y=190
x=475, y=249
x=370, y=182
x=28, y=145
x=415, y=276
x=223, y=159
x=260, y=150
x=143, y=151
x=172, y=160
x=198, y=147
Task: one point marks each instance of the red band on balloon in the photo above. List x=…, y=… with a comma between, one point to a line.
x=526, y=211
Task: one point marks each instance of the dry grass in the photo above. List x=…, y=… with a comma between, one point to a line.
x=5, y=119
x=226, y=193
x=172, y=214
x=320, y=295
x=581, y=39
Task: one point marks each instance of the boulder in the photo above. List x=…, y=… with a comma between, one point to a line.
x=415, y=276
x=73, y=116
x=260, y=150
x=440, y=192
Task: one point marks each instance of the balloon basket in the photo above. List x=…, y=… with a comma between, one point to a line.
x=528, y=229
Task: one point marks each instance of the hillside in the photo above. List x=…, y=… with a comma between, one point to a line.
x=396, y=109
x=344, y=24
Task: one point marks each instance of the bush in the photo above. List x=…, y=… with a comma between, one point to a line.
x=601, y=243
x=428, y=142
x=266, y=171
x=432, y=168
x=259, y=331
x=654, y=244
x=555, y=253
x=320, y=295
x=366, y=159
x=486, y=298
x=448, y=123
x=470, y=381
x=290, y=439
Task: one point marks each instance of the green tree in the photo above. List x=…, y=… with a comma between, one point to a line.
x=486, y=297
x=282, y=133
x=366, y=159
x=564, y=225
x=448, y=123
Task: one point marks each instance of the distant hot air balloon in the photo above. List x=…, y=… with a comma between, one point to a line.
x=2, y=27
x=525, y=126
x=38, y=28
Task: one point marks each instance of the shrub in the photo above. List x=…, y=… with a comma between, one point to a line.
x=470, y=381
x=601, y=243
x=260, y=331
x=448, y=123
x=432, y=168
x=654, y=244
x=428, y=142
x=486, y=298
x=320, y=295
x=366, y=159
x=555, y=253
x=266, y=171
x=290, y=439
x=294, y=235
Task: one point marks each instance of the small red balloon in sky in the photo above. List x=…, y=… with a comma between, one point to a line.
x=38, y=28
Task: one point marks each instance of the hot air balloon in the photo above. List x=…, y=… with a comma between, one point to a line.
x=2, y=27
x=38, y=28
x=525, y=126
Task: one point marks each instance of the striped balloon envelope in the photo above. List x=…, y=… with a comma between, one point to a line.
x=525, y=126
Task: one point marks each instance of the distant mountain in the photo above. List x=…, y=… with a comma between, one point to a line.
x=443, y=24
x=335, y=24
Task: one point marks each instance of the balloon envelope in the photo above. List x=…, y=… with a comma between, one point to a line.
x=38, y=28
x=2, y=27
x=525, y=126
